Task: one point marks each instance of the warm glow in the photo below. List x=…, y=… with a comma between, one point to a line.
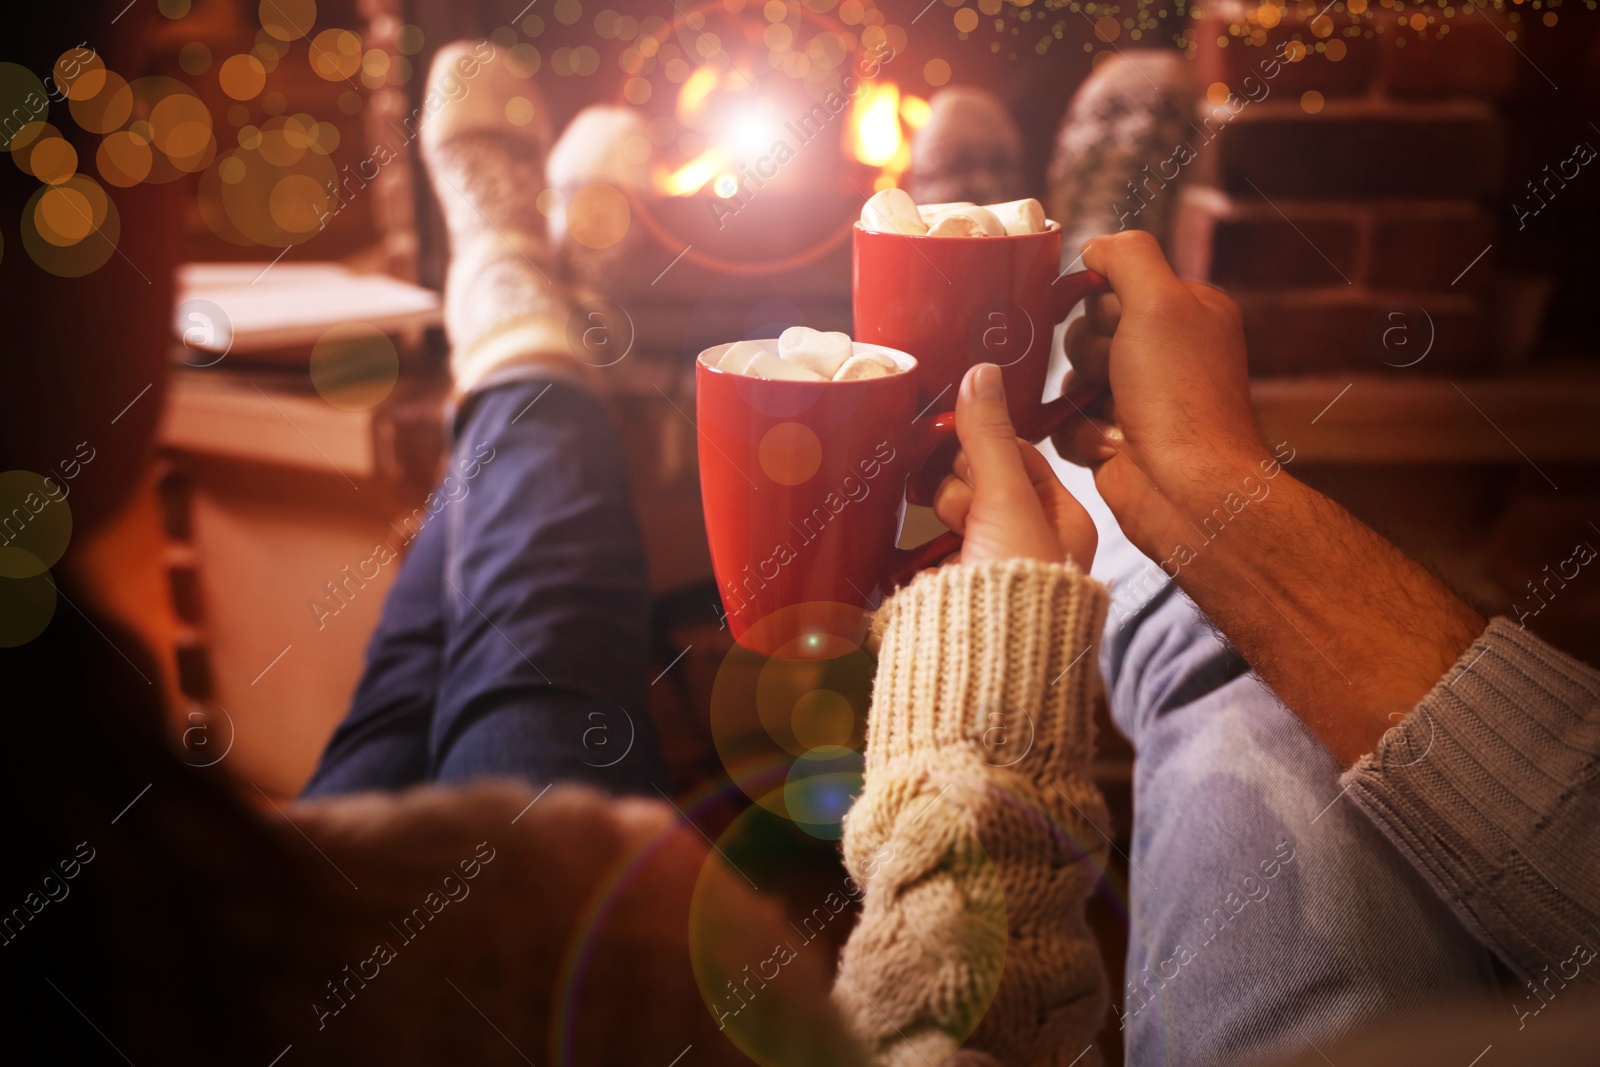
x=915, y=112
x=692, y=97
x=693, y=175
x=900, y=162
x=875, y=125
x=752, y=129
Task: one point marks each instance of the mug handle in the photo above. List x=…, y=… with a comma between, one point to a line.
x=931, y=438
x=1066, y=292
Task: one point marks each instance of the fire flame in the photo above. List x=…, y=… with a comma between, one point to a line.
x=876, y=133
x=693, y=175
x=697, y=89
x=874, y=130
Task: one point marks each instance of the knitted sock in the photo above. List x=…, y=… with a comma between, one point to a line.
x=970, y=149
x=506, y=315
x=1117, y=149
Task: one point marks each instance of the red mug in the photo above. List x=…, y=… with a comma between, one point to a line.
x=953, y=302
x=803, y=486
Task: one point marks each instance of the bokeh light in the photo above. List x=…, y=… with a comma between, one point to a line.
x=269, y=51
x=105, y=110
x=519, y=111
x=790, y=453
x=549, y=203
x=748, y=984
x=195, y=58
x=52, y=160
x=279, y=187
x=354, y=366
x=335, y=55
x=35, y=523
x=298, y=204
x=408, y=40
x=242, y=77
x=811, y=694
x=35, y=138
x=23, y=99
x=64, y=216
x=80, y=76
x=598, y=216
x=823, y=718
x=176, y=124
x=180, y=126
x=71, y=229
x=287, y=20
x=820, y=787
x=26, y=607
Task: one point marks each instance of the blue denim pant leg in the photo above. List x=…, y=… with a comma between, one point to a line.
x=383, y=741
x=1266, y=915
x=546, y=601
x=515, y=638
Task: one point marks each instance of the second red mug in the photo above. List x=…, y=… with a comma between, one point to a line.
x=953, y=302
x=803, y=485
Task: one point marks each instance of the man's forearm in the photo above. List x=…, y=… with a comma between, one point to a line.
x=1347, y=630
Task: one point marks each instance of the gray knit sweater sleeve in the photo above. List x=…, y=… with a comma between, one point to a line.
x=1491, y=788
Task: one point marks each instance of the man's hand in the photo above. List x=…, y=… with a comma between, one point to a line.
x=1002, y=496
x=1178, y=423
x=1340, y=623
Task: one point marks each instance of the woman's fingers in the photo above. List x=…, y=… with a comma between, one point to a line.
x=1037, y=467
x=1074, y=528
x=952, y=502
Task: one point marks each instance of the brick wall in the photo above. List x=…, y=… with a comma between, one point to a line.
x=1340, y=176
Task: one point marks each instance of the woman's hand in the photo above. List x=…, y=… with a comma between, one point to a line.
x=1002, y=497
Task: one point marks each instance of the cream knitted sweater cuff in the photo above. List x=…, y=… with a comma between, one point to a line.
x=997, y=657
x=976, y=837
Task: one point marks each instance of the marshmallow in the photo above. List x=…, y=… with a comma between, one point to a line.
x=930, y=212
x=766, y=365
x=967, y=222
x=868, y=364
x=738, y=356
x=1020, y=216
x=892, y=211
x=822, y=353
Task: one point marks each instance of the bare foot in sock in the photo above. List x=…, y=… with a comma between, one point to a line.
x=505, y=310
